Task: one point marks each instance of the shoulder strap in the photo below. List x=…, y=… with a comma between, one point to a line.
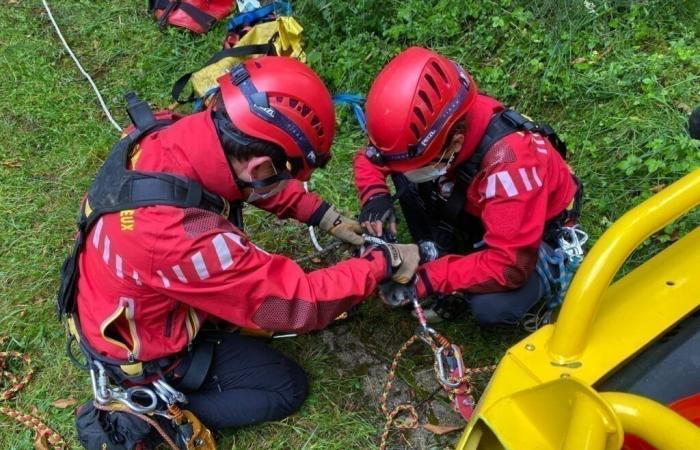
x=238, y=52
x=497, y=129
x=501, y=125
x=115, y=189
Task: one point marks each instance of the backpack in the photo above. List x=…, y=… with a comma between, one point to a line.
x=195, y=15
x=269, y=30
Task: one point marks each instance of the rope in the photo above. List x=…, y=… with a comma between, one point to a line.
x=80, y=67
x=391, y=415
x=411, y=421
x=17, y=384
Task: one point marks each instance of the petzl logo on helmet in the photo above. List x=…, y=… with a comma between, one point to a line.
x=426, y=140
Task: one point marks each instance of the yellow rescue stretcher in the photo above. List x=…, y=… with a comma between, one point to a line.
x=552, y=389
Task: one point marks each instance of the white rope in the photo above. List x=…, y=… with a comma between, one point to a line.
x=312, y=232
x=80, y=67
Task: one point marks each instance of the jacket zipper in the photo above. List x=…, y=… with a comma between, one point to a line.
x=169, y=321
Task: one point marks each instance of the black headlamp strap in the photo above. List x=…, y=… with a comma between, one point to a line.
x=266, y=182
x=260, y=106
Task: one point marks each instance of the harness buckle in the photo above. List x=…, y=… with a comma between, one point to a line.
x=239, y=74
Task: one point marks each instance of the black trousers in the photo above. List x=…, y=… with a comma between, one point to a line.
x=497, y=308
x=248, y=382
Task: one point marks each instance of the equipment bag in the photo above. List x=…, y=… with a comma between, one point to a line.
x=195, y=15
x=256, y=33
x=112, y=430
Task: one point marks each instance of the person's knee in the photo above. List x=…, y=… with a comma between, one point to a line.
x=295, y=388
x=487, y=312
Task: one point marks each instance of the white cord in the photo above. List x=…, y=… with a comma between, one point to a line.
x=80, y=67
x=312, y=232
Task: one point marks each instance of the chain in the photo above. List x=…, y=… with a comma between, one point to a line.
x=17, y=384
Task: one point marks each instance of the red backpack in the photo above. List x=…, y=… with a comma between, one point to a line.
x=195, y=15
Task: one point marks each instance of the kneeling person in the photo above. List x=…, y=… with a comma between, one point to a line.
x=482, y=182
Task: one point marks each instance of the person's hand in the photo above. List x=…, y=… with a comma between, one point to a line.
x=395, y=294
x=403, y=260
x=343, y=228
x=377, y=216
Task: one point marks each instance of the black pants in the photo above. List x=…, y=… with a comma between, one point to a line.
x=497, y=308
x=248, y=382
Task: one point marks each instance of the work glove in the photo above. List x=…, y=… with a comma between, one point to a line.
x=377, y=216
x=343, y=228
x=403, y=259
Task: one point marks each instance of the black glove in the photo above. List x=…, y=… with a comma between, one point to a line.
x=377, y=216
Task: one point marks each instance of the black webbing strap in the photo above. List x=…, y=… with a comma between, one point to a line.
x=497, y=129
x=202, y=356
x=203, y=19
x=501, y=125
x=237, y=52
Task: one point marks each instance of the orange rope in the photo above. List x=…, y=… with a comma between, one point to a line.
x=17, y=384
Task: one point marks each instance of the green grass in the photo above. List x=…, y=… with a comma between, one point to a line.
x=616, y=80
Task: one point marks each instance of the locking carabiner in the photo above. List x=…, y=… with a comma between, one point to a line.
x=450, y=365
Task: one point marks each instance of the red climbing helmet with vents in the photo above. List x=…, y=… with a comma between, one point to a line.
x=283, y=101
x=412, y=104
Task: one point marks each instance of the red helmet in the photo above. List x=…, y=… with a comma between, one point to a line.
x=412, y=104
x=281, y=100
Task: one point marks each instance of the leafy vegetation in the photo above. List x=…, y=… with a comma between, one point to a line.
x=616, y=77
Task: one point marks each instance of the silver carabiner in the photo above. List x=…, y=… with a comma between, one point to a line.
x=167, y=393
x=571, y=241
x=133, y=398
x=443, y=374
x=100, y=384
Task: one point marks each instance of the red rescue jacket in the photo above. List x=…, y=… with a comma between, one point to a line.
x=523, y=182
x=150, y=277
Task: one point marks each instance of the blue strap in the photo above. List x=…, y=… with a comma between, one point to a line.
x=246, y=18
x=356, y=101
x=556, y=287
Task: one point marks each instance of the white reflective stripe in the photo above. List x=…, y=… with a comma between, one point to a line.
x=491, y=186
x=237, y=239
x=526, y=180
x=105, y=252
x=199, y=266
x=179, y=274
x=261, y=250
x=120, y=268
x=135, y=276
x=96, y=234
x=222, y=252
x=536, y=177
x=163, y=278
x=507, y=182
x=539, y=144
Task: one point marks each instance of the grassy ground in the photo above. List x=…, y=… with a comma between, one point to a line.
x=616, y=77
